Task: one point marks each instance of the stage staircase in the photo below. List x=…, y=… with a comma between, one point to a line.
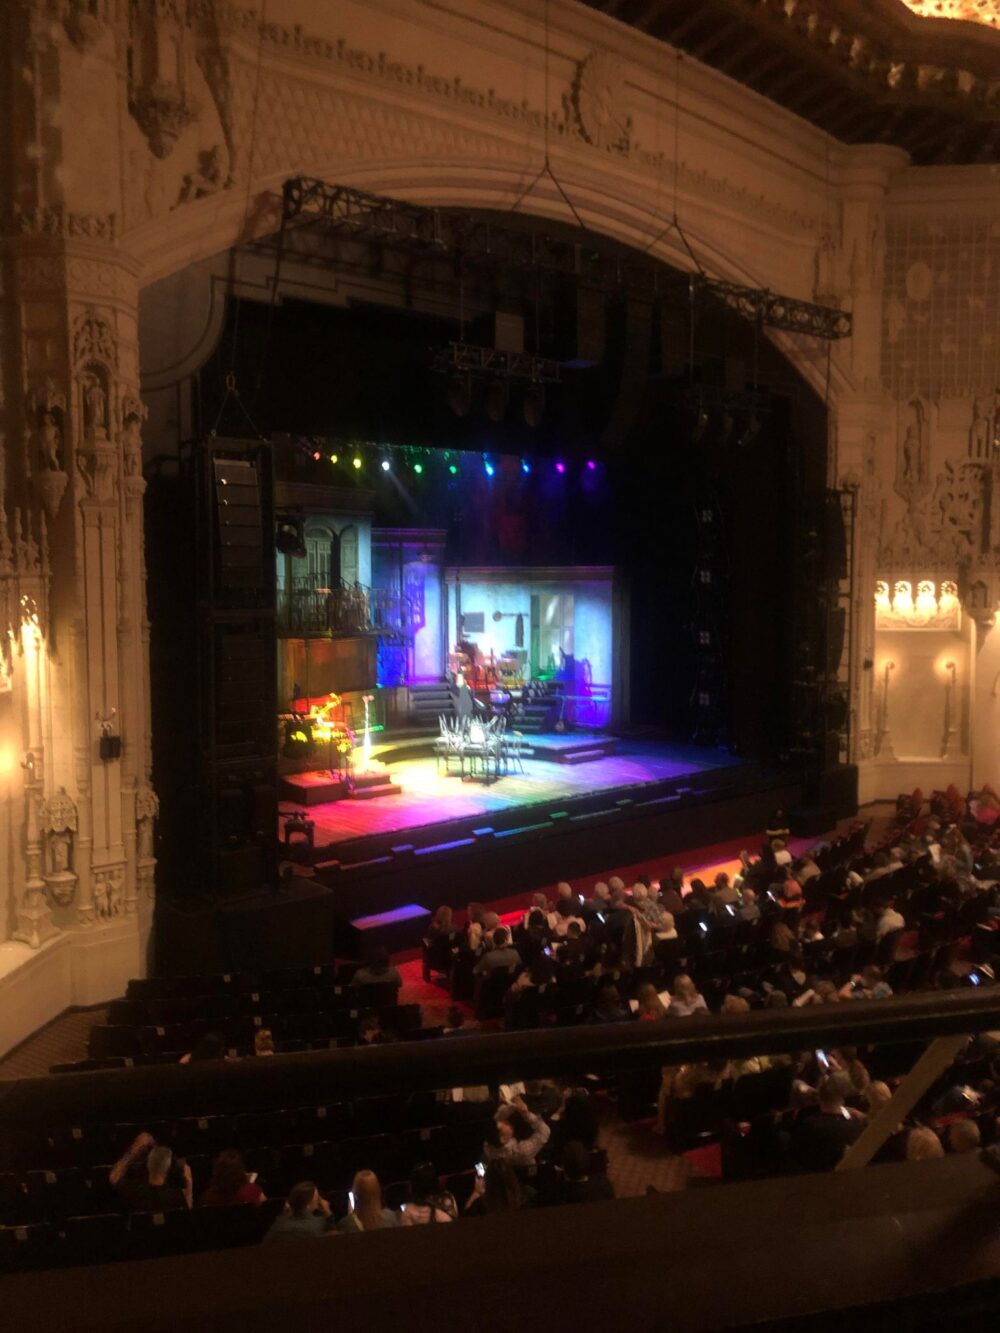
x=428, y=702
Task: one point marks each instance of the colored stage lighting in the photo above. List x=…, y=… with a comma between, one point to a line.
x=525, y=466
x=356, y=461
x=317, y=455
x=560, y=467
x=591, y=465
x=452, y=469
x=386, y=465
x=488, y=467
x=334, y=458
x=418, y=468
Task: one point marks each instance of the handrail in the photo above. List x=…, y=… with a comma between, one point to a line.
x=502, y=1057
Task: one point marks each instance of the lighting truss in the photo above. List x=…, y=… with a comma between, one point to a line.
x=491, y=363
x=471, y=240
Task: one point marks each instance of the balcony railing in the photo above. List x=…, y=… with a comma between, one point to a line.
x=349, y=608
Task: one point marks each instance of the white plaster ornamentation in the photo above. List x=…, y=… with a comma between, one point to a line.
x=147, y=808
x=109, y=885
x=600, y=103
x=58, y=823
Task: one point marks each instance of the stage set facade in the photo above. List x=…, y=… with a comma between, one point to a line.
x=143, y=185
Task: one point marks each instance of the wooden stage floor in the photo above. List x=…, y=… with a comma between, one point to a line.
x=433, y=797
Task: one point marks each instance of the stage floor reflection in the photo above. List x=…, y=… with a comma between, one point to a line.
x=431, y=796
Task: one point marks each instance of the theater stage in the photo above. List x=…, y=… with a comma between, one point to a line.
x=445, y=839
x=429, y=796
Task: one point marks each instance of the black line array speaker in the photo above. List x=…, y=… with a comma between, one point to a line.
x=581, y=327
x=238, y=664
x=239, y=536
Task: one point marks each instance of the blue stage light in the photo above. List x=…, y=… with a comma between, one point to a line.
x=525, y=466
x=488, y=467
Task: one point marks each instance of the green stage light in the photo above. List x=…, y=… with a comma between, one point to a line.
x=334, y=458
x=452, y=469
x=418, y=468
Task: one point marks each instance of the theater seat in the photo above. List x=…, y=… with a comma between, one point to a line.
x=155, y=1235
x=28, y=1247
x=93, y=1240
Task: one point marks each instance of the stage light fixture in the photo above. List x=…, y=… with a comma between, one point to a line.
x=591, y=465
x=488, y=467
x=334, y=458
x=356, y=461
x=316, y=455
x=525, y=467
x=560, y=467
x=386, y=465
x=452, y=469
x=418, y=468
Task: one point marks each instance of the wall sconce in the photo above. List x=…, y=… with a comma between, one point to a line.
x=109, y=745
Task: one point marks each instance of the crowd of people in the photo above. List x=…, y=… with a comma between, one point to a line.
x=529, y=1158
x=833, y=925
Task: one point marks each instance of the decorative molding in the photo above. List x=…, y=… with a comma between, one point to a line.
x=93, y=339
x=58, y=223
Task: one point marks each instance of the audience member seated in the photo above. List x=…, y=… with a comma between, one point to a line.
x=147, y=1180
x=748, y=909
x=367, y=1212
x=518, y=1135
x=498, y=1190
x=923, y=1145
x=231, y=1184
x=963, y=1136
x=821, y=1136
x=306, y=1216
x=567, y=914
x=212, y=1046
x=866, y=985
x=503, y=957
x=686, y=998
x=428, y=1202
x=649, y=1006
x=577, y=1182
x=378, y=971
x=609, y=1006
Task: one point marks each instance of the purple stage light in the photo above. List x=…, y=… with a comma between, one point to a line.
x=560, y=467
x=591, y=465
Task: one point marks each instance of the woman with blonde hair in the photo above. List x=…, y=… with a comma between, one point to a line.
x=687, y=999
x=367, y=1212
x=923, y=1145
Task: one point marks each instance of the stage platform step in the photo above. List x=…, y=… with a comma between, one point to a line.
x=316, y=788
x=373, y=789
x=583, y=756
x=307, y=789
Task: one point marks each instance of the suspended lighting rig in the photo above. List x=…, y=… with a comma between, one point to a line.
x=471, y=240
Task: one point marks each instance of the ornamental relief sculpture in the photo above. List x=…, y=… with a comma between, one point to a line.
x=58, y=824
x=950, y=520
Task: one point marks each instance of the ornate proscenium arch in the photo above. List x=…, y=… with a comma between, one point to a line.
x=465, y=236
